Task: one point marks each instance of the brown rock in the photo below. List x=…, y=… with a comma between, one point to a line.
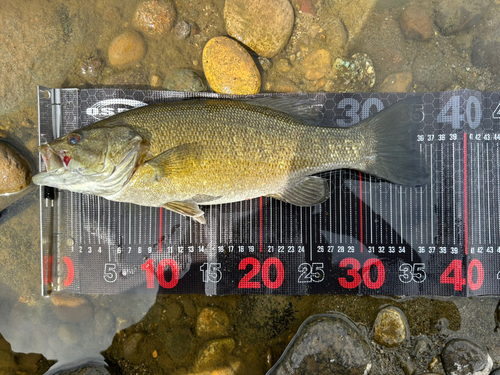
x=71, y=308
x=262, y=25
x=390, y=328
x=214, y=353
x=416, y=23
x=15, y=172
x=126, y=50
x=155, y=17
x=229, y=68
x=397, y=82
x=212, y=322
x=317, y=64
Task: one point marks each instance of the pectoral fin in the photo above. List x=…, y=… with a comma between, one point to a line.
x=307, y=192
x=179, y=160
x=187, y=208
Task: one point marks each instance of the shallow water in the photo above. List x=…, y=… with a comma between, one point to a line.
x=49, y=43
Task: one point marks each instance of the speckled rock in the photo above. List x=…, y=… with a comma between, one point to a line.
x=126, y=49
x=131, y=346
x=317, y=64
x=182, y=29
x=416, y=23
x=214, y=353
x=229, y=68
x=397, y=82
x=155, y=17
x=90, y=68
x=212, y=322
x=15, y=172
x=454, y=15
x=356, y=74
x=262, y=25
x=71, y=308
x=390, y=328
x=463, y=357
x=328, y=344
x=185, y=80
x=178, y=342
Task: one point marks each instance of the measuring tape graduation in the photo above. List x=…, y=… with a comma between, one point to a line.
x=370, y=237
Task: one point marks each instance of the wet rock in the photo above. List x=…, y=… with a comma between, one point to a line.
x=185, y=80
x=354, y=75
x=126, y=49
x=155, y=17
x=214, y=353
x=7, y=360
x=212, y=322
x=87, y=369
x=326, y=344
x=71, y=308
x=15, y=171
x=265, y=63
x=455, y=15
x=262, y=25
x=416, y=23
x=178, y=342
x=283, y=65
x=463, y=357
x=495, y=372
x=182, y=29
x=430, y=72
x=105, y=323
x=355, y=15
x=317, y=64
x=229, y=68
x=90, y=68
x=486, y=54
x=397, y=82
x=70, y=334
x=421, y=345
x=390, y=328
x=131, y=348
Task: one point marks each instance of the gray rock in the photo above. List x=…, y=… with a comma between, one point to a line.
x=326, y=344
x=87, y=369
x=262, y=25
x=182, y=29
x=185, y=80
x=455, y=15
x=463, y=357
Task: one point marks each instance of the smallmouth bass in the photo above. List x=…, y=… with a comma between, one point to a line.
x=180, y=155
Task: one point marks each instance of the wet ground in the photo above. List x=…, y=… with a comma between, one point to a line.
x=454, y=45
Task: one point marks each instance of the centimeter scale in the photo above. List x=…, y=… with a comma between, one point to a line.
x=370, y=237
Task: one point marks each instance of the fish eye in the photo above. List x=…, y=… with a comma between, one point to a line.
x=74, y=138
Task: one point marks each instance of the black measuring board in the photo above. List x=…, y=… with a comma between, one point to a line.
x=370, y=237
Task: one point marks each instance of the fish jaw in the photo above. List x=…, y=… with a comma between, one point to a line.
x=53, y=160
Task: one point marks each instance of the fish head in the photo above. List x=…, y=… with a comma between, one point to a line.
x=94, y=160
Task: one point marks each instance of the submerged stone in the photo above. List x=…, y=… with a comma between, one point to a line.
x=326, y=344
x=464, y=357
x=390, y=328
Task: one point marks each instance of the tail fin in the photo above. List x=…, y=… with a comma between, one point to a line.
x=396, y=155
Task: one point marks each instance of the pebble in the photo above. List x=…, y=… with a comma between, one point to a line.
x=354, y=75
x=463, y=357
x=214, y=353
x=264, y=26
x=397, y=82
x=155, y=17
x=15, y=171
x=90, y=68
x=70, y=334
x=182, y=29
x=317, y=64
x=126, y=49
x=185, y=80
x=416, y=23
x=131, y=351
x=229, y=68
x=212, y=322
x=391, y=327
x=178, y=342
x=326, y=344
x=421, y=345
x=71, y=308
x=173, y=311
x=452, y=16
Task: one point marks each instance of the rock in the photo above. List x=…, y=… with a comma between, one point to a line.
x=90, y=68
x=463, y=357
x=486, y=54
x=390, y=328
x=416, y=23
x=317, y=64
x=7, y=360
x=131, y=348
x=495, y=372
x=421, y=345
x=173, y=311
x=212, y=322
x=325, y=344
x=185, y=80
x=155, y=17
x=229, y=68
x=15, y=171
x=262, y=25
x=355, y=75
x=397, y=82
x=214, y=353
x=182, y=29
x=454, y=15
x=70, y=334
x=178, y=342
x=126, y=49
x=71, y=308
x=87, y=369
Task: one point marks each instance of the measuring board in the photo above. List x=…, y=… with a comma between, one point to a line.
x=370, y=237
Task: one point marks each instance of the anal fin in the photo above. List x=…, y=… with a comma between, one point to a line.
x=307, y=192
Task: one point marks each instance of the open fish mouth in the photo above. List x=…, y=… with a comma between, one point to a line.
x=53, y=160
